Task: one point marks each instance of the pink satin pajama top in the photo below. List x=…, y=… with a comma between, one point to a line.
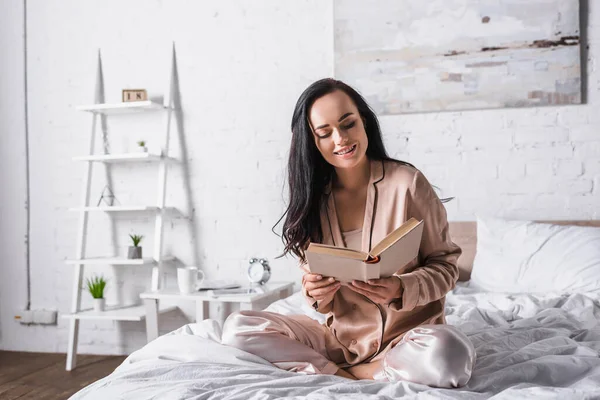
x=362, y=330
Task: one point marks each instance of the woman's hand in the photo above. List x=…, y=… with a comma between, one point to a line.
x=381, y=291
x=319, y=287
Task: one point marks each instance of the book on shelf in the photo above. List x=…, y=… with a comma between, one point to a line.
x=389, y=255
x=217, y=285
x=235, y=291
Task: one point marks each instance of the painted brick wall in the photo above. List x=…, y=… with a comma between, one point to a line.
x=13, y=193
x=241, y=70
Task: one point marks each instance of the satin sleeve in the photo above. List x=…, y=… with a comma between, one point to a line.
x=437, y=272
x=323, y=306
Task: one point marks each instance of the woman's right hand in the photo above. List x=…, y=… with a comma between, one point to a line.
x=319, y=287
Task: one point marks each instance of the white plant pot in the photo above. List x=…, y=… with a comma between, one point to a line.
x=99, y=305
x=142, y=149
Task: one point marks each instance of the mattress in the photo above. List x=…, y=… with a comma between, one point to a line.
x=528, y=346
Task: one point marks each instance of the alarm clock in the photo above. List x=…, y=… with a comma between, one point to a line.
x=259, y=270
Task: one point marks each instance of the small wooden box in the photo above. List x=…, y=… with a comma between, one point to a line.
x=134, y=95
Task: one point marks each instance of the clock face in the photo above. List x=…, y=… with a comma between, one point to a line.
x=256, y=272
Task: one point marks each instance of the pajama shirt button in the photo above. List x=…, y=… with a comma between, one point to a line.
x=353, y=341
x=375, y=344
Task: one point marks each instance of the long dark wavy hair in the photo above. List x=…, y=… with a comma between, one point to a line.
x=309, y=173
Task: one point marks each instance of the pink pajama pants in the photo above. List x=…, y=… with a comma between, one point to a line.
x=434, y=355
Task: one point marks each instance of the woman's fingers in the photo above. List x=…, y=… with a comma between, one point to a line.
x=371, y=295
x=313, y=277
x=318, y=286
x=314, y=284
x=378, y=294
x=363, y=290
x=365, y=286
x=383, y=282
x=324, y=291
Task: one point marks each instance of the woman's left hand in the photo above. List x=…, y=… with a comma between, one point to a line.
x=381, y=291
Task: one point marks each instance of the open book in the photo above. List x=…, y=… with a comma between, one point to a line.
x=395, y=251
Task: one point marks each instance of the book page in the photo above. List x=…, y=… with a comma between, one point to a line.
x=395, y=236
x=342, y=269
x=337, y=251
x=401, y=252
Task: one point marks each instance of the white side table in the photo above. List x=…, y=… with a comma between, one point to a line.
x=246, y=301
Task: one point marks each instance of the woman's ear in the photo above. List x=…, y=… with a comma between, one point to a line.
x=364, y=120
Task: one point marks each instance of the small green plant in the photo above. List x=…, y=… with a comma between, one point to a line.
x=142, y=143
x=136, y=239
x=96, y=286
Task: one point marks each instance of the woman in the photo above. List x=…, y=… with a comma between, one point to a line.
x=346, y=191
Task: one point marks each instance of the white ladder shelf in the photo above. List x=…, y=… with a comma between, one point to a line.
x=101, y=110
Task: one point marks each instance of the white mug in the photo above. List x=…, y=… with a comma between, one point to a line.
x=188, y=278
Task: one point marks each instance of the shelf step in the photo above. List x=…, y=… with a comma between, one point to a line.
x=122, y=108
x=116, y=208
x=117, y=261
x=116, y=313
x=124, y=157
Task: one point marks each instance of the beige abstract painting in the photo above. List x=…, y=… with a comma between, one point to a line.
x=409, y=56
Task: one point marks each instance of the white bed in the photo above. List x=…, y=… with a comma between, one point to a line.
x=543, y=345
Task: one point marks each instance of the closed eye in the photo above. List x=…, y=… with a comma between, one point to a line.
x=350, y=125
x=345, y=127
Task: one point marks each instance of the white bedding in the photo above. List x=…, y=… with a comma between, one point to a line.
x=528, y=346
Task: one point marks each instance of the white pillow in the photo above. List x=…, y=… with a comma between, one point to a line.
x=529, y=257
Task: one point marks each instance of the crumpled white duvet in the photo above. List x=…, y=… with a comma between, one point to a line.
x=528, y=346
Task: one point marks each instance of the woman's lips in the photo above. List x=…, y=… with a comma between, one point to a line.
x=346, y=152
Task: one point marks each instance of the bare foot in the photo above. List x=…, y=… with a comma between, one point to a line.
x=341, y=372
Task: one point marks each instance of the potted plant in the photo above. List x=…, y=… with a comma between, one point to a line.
x=96, y=288
x=135, y=251
x=142, y=145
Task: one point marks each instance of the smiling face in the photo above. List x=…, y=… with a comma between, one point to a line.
x=338, y=130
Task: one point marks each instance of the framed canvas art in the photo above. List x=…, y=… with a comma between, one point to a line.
x=421, y=56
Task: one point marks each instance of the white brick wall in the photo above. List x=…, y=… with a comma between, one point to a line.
x=241, y=69
x=13, y=294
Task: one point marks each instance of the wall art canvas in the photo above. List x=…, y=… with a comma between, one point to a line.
x=410, y=56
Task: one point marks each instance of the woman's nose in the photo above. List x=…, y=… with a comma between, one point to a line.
x=339, y=136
